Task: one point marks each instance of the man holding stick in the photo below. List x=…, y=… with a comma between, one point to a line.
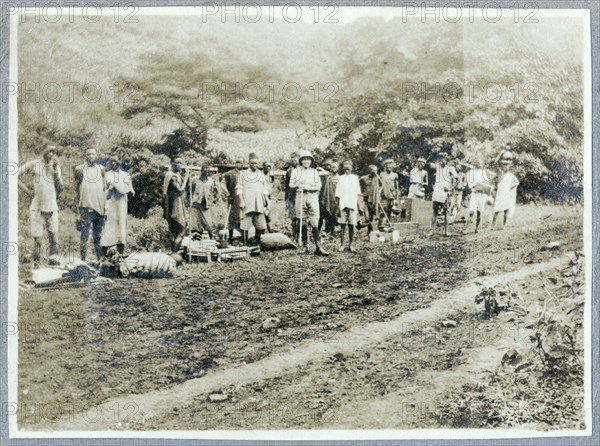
x=306, y=184
x=371, y=187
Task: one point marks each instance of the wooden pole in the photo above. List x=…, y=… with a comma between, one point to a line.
x=301, y=215
x=189, y=231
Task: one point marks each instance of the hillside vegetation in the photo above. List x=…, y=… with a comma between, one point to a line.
x=368, y=90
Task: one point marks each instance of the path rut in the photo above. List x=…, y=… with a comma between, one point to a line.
x=151, y=404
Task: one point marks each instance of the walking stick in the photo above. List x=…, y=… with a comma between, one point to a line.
x=189, y=231
x=301, y=212
x=227, y=217
x=385, y=214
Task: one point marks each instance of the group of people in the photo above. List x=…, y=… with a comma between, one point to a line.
x=101, y=195
x=321, y=198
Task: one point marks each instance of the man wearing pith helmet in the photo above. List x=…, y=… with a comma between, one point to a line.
x=306, y=183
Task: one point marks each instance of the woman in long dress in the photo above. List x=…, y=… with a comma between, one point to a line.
x=118, y=187
x=506, y=195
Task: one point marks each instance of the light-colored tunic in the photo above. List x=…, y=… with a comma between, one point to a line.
x=444, y=179
x=348, y=191
x=44, y=187
x=506, y=196
x=115, y=210
x=91, y=183
x=307, y=179
x=253, y=189
x=417, y=178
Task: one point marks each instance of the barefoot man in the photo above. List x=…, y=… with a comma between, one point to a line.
x=347, y=192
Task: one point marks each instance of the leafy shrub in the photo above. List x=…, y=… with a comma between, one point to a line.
x=549, y=392
x=150, y=233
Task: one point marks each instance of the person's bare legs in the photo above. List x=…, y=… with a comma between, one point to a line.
x=433, y=221
x=351, y=238
x=494, y=220
x=446, y=223
x=468, y=224
x=37, y=251
x=342, y=234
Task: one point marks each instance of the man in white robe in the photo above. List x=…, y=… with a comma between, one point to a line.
x=118, y=187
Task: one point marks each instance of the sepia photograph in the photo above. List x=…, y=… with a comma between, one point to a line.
x=293, y=221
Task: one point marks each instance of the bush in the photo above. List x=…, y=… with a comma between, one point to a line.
x=150, y=233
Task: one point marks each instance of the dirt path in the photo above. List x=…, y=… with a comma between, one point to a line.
x=415, y=405
x=143, y=407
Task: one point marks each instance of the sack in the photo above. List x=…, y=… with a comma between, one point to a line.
x=147, y=264
x=276, y=240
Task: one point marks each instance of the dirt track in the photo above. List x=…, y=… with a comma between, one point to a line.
x=145, y=338
x=365, y=338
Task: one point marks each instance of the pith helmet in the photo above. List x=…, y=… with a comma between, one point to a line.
x=306, y=154
x=507, y=158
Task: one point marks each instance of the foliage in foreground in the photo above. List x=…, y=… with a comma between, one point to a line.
x=542, y=384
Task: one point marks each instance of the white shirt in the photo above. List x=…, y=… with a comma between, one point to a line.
x=348, y=190
x=307, y=179
x=417, y=175
x=44, y=188
x=444, y=176
x=475, y=176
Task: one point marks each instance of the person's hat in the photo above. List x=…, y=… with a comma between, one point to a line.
x=252, y=157
x=306, y=154
x=50, y=148
x=388, y=161
x=334, y=164
x=421, y=160
x=506, y=158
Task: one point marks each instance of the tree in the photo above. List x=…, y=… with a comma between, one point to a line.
x=198, y=93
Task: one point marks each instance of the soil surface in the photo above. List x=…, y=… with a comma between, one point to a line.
x=359, y=340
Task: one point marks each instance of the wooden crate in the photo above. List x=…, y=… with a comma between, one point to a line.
x=413, y=210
